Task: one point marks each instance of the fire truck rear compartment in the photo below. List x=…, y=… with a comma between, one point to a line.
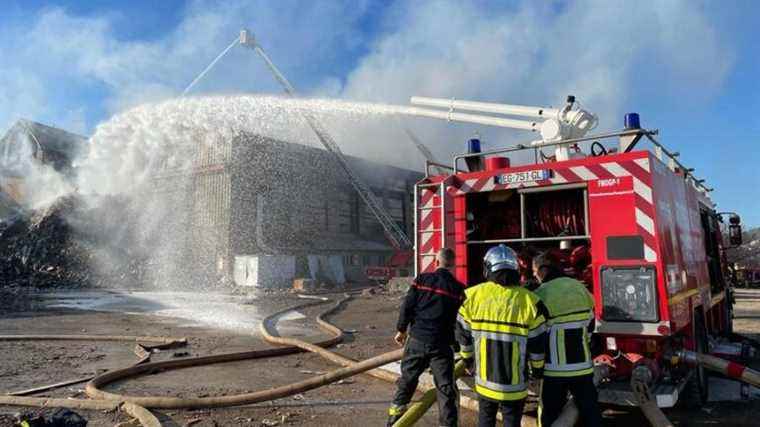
x=529, y=220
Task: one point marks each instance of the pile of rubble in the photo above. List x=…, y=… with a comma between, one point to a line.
x=53, y=247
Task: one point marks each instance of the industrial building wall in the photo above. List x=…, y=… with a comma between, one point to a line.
x=211, y=201
x=254, y=195
x=308, y=204
x=167, y=204
x=296, y=189
x=211, y=217
x=307, y=196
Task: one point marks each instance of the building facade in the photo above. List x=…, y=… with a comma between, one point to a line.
x=256, y=202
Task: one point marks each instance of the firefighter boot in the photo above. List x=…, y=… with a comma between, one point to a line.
x=394, y=414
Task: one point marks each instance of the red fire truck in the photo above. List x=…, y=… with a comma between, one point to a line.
x=635, y=225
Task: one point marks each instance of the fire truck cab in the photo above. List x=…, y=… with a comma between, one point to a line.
x=635, y=225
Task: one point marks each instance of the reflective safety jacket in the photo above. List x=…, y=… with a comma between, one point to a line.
x=570, y=321
x=501, y=327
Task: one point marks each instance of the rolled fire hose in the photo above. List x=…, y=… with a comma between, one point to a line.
x=728, y=368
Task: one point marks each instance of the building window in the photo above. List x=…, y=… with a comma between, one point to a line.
x=343, y=212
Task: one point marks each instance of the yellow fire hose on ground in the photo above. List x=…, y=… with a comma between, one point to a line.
x=639, y=385
x=418, y=409
x=568, y=418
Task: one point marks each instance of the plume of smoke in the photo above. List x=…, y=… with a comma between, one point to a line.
x=536, y=53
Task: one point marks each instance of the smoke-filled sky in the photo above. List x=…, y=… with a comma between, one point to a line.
x=688, y=67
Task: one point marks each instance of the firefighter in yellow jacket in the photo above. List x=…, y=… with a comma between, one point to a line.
x=569, y=366
x=501, y=331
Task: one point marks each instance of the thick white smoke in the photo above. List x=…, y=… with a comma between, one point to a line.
x=532, y=53
x=536, y=53
x=40, y=183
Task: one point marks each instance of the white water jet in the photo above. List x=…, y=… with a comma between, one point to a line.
x=127, y=149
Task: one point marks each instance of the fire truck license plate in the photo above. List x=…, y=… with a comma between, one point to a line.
x=521, y=177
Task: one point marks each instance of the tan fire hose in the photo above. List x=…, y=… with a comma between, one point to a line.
x=111, y=401
x=93, y=388
x=570, y=414
x=145, y=417
x=641, y=377
x=107, y=400
x=728, y=368
x=419, y=408
x=464, y=401
x=142, y=350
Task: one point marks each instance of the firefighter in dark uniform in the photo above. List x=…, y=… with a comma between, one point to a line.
x=570, y=322
x=501, y=331
x=426, y=326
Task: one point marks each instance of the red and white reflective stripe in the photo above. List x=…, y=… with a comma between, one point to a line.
x=644, y=221
x=426, y=241
x=642, y=190
x=426, y=231
x=638, y=170
x=584, y=173
x=557, y=178
x=645, y=212
x=644, y=163
x=639, y=187
x=427, y=197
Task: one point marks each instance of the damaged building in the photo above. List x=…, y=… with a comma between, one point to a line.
x=263, y=211
x=252, y=210
x=27, y=145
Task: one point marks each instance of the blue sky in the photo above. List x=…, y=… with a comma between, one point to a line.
x=690, y=68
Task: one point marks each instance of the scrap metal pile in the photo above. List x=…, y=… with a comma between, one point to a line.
x=55, y=247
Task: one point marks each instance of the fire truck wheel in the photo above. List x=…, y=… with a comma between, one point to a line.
x=697, y=391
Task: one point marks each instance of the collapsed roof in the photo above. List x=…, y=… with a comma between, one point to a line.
x=47, y=144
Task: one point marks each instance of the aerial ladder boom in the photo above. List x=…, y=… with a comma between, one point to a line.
x=424, y=150
x=395, y=234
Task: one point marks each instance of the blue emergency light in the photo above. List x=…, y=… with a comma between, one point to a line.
x=632, y=121
x=473, y=146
